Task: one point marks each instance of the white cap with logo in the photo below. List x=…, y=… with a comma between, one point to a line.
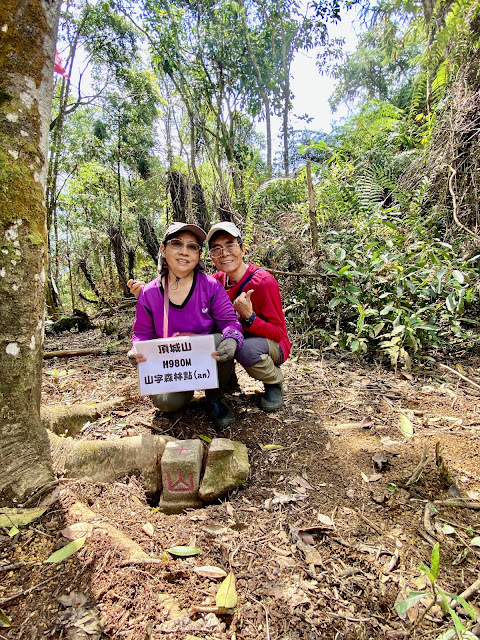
x=226, y=227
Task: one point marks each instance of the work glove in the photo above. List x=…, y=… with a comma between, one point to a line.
x=131, y=357
x=226, y=349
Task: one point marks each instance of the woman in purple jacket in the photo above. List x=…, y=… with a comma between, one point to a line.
x=197, y=304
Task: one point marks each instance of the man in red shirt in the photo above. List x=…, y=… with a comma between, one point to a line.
x=255, y=295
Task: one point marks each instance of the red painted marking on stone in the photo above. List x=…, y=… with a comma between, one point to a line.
x=182, y=449
x=180, y=485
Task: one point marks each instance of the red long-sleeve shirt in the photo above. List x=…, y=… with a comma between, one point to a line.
x=267, y=305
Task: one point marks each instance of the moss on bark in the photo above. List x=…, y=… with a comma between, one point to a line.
x=26, y=65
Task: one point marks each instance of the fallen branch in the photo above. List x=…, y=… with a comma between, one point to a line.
x=113, y=310
x=428, y=539
x=15, y=565
x=27, y=591
x=369, y=522
x=296, y=273
x=71, y=353
x=419, y=468
x=460, y=375
x=427, y=522
x=392, y=563
x=348, y=617
x=472, y=590
x=267, y=622
x=462, y=504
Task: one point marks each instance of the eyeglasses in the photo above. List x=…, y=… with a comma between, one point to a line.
x=228, y=249
x=178, y=245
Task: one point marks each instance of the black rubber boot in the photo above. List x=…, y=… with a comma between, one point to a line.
x=272, y=399
x=220, y=414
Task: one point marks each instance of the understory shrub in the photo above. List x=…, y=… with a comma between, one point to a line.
x=384, y=293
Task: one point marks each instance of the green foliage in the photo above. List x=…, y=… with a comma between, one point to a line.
x=278, y=194
x=432, y=573
x=389, y=289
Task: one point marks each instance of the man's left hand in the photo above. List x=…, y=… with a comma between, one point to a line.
x=242, y=304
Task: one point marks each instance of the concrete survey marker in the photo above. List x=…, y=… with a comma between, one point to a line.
x=226, y=468
x=181, y=470
x=188, y=474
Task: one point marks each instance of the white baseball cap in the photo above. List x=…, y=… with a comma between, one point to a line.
x=226, y=227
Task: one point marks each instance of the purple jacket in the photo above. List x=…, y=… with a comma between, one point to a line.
x=207, y=309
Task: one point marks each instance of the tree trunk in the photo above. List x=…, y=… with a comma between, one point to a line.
x=149, y=237
x=26, y=67
x=116, y=241
x=261, y=85
x=312, y=211
x=82, y=264
x=286, y=62
x=200, y=206
x=177, y=187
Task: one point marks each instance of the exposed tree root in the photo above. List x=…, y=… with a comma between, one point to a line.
x=71, y=353
x=132, y=551
x=62, y=419
x=109, y=460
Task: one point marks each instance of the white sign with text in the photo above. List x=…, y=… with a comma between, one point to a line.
x=183, y=363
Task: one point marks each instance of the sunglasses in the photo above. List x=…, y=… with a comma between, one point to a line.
x=191, y=247
x=228, y=249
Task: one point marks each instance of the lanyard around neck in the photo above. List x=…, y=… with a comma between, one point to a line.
x=165, y=307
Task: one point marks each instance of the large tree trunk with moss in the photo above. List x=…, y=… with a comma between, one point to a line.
x=26, y=67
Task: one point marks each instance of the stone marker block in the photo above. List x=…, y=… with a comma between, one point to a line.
x=226, y=468
x=181, y=470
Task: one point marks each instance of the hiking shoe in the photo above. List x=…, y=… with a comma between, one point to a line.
x=220, y=414
x=272, y=399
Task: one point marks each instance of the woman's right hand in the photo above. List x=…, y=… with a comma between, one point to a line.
x=135, y=357
x=135, y=286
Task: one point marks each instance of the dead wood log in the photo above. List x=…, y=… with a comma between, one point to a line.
x=149, y=237
x=427, y=519
x=71, y=353
x=109, y=460
x=61, y=419
x=79, y=321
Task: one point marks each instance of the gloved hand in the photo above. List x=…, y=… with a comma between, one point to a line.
x=134, y=358
x=225, y=350
x=131, y=357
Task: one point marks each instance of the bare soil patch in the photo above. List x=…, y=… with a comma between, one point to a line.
x=323, y=540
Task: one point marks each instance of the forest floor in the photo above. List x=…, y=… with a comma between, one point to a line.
x=324, y=538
